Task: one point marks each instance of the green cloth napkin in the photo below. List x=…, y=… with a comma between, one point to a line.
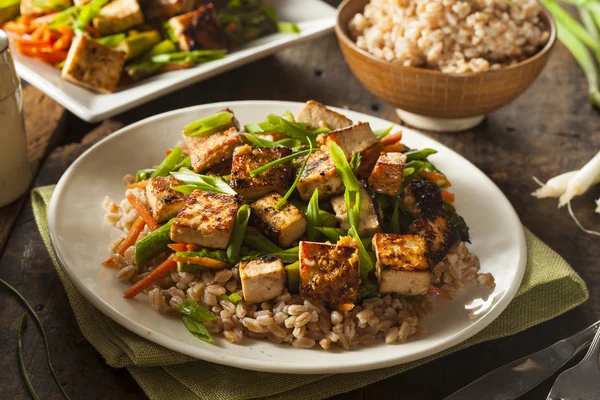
x=550, y=287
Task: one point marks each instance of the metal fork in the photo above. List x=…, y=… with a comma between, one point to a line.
x=582, y=382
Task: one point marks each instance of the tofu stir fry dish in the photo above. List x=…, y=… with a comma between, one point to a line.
x=101, y=44
x=312, y=230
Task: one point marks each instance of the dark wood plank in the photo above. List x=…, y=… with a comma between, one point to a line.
x=549, y=129
x=43, y=123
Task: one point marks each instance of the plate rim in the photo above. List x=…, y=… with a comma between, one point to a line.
x=275, y=365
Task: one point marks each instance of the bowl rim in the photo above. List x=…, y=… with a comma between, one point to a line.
x=342, y=36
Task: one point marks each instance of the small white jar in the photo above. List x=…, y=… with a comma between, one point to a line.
x=15, y=171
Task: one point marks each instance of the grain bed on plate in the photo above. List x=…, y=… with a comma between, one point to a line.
x=452, y=36
x=289, y=318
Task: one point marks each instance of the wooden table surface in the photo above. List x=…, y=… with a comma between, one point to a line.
x=550, y=129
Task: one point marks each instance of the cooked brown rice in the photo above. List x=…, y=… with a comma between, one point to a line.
x=454, y=36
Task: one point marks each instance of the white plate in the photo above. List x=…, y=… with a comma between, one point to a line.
x=314, y=18
x=80, y=239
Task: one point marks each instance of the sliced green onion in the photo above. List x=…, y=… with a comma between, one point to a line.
x=20, y=297
x=219, y=255
x=208, y=125
x=355, y=161
x=293, y=276
x=381, y=133
x=419, y=154
x=280, y=161
x=367, y=289
x=237, y=235
x=366, y=263
x=203, y=182
x=395, y=221
x=288, y=27
x=258, y=141
x=281, y=202
x=408, y=171
x=143, y=174
x=253, y=128
x=22, y=368
x=168, y=163
x=260, y=243
x=320, y=130
x=234, y=298
x=294, y=130
x=352, y=200
x=112, y=40
x=343, y=168
x=313, y=217
x=86, y=14
x=333, y=234
x=197, y=329
x=562, y=17
x=287, y=256
x=195, y=310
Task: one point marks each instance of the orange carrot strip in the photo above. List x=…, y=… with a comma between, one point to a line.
x=394, y=148
x=345, y=307
x=178, y=246
x=16, y=27
x=432, y=176
x=38, y=33
x=134, y=233
x=140, y=185
x=63, y=43
x=192, y=247
x=204, y=261
x=447, y=196
x=391, y=138
x=47, y=36
x=143, y=212
x=154, y=275
x=440, y=292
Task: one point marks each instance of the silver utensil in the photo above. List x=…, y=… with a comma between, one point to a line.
x=582, y=382
x=518, y=377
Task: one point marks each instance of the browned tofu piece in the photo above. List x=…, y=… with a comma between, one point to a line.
x=199, y=29
x=206, y=219
x=320, y=173
x=164, y=202
x=262, y=279
x=283, y=225
x=439, y=234
x=34, y=8
x=320, y=116
x=248, y=158
x=329, y=272
x=423, y=196
x=369, y=221
x=93, y=65
x=118, y=16
x=207, y=152
x=402, y=266
x=165, y=9
x=386, y=177
x=353, y=139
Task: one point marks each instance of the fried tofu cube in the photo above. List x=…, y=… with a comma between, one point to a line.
x=262, y=279
x=93, y=65
x=320, y=173
x=353, y=139
x=320, y=116
x=35, y=8
x=165, y=9
x=439, y=234
x=329, y=272
x=387, y=175
x=207, y=152
x=164, y=202
x=423, y=196
x=369, y=221
x=402, y=266
x=248, y=158
x=206, y=219
x=270, y=136
x=118, y=16
x=283, y=225
x=199, y=29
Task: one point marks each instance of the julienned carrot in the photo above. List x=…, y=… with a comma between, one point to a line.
x=143, y=212
x=203, y=261
x=394, y=148
x=177, y=246
x=139, y=185
x=134, y=233
x=192, y=247
x=391, y=138
x=440, y=292
x=154, y=275
x=447, y=196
